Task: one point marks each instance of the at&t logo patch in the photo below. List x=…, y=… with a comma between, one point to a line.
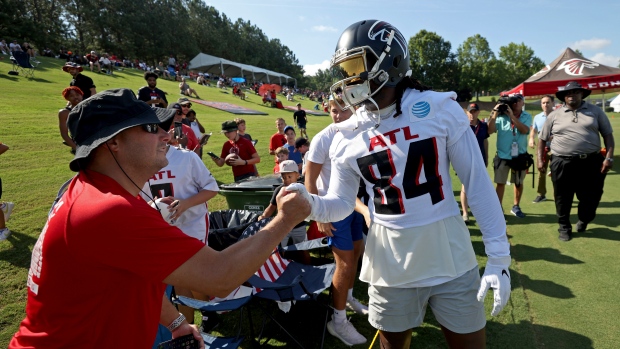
x=421, y=109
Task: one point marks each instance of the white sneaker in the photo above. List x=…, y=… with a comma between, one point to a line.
x=355, y=305
x=7, y=208
x=345, y=332
x=4, y=233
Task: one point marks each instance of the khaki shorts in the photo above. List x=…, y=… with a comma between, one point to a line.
x=502, y=170
x=453, y=303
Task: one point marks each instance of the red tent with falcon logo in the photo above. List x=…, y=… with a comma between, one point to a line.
x=569, y=66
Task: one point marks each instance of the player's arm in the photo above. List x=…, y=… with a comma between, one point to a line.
x=339, y=201
x=241, y=260
x=312, y=174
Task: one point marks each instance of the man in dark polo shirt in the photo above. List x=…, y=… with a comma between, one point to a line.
x=150, y=93
x=577, y=165
x=81, y=81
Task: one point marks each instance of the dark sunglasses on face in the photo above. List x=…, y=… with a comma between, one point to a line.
x=187, y=105
x=151, y=128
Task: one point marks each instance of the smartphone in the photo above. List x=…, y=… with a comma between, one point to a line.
x=178, y=129
x=205, y=138
x=254, y=142
x=184, y=342
x=211, y=154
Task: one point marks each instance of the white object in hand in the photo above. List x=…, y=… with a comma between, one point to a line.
x=165, y=213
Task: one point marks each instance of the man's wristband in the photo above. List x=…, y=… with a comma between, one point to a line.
x=176, y=323
x=609, y=159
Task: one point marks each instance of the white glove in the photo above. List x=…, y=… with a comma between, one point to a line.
x=496, y=276
x=298, y=187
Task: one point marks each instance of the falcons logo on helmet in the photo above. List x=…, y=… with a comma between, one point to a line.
x=575, y=66
x=381, y=30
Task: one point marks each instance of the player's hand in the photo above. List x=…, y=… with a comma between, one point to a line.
x=496, y=276
x=301, y=189
x=184, y=329
x=293, y=204
x=326, y=228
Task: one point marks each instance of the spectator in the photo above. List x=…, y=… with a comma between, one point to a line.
x=4, y=49
x=185, y=185
x=202, y=80
x=345, y=236
x=188, y=139
x=237, y=152
x=47, y=52
x=278, y=139
x=238, y=92
x=150, y=94
x=161, y=70
x=547, y=105
x=186, y=90
x=293, y=154
x=288, y=172
x=300, y=118
x=93, y=60
x=198, y=129
x=106, y=63
x=83, y=82
x=577, y=165
x=241, y=129
x=172, y=63
x=513, y=127
x=14, y=46
x=28, y=49
x=301, y=146
x=6, y=208
x=281, y=156
x=481, y=131
x=120, y=143
x=73, y=95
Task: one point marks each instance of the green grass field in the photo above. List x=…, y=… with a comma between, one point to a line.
x=565, y=295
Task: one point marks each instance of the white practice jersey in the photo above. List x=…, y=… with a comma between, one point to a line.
x=184, y=177
x=405, y=164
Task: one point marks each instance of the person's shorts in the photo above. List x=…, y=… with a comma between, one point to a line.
x=301, y=126
x=347, y=231
x=296, y=236
x=502, y=170
x=453, y=303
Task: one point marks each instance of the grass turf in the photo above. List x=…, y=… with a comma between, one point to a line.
x=564, y=294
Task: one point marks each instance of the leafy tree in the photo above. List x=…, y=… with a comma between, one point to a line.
x=432, y=62
x=517, y=62
x=477, y=63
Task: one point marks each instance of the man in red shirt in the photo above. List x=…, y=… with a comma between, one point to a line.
x=278, y=139
x=105, y=255
x=243, y=164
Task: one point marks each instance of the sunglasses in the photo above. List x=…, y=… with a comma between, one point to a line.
x=151, y=128
x=186, y=105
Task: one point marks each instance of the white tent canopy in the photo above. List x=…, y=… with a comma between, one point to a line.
x=616, y=104
x=215, y=65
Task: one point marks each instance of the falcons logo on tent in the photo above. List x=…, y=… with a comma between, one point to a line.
x=543, y=70
x=575, y=66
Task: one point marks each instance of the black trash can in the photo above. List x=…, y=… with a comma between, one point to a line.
x=252, y=194
x=226, y=226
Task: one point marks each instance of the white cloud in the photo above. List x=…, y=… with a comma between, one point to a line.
x=323, y=28
x=312, y=69
x=609, y=60
x=591, y=44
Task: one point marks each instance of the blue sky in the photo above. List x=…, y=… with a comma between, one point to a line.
x=310, y=28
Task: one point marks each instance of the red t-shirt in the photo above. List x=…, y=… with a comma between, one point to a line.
x=192, y=140
x=244, y=149
x=96, y=273
x=276, y=141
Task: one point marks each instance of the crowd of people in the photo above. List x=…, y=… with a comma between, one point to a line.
x=381, y=168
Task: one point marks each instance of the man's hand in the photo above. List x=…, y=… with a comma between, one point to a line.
x=496, y=276
x=294, y=202
x=184, y=329
x=237, y=162
x=531, y=143
x=607, y=165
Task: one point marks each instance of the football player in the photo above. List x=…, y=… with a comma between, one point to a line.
x=401, y=142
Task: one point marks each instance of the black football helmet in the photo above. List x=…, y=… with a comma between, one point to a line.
x=368, y=50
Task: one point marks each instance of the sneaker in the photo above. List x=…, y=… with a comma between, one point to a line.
x=539, y=198
x=5, y=233
x=7, y=208
x=345, y=332
x=355, y=305
x=516, y=211
x=565, y=236
x=581, y=226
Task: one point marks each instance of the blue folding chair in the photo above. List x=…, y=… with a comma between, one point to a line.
x=21, y=63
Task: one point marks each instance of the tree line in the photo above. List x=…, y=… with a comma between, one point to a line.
x=469, y=71
x=149, y=30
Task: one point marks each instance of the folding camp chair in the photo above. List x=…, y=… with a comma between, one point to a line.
x=21, y=63
x=305, y=282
